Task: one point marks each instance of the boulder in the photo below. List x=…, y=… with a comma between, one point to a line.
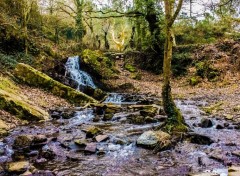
x=33, y=77
x=206, y=123
x=17, y=167
x=152, y=139
x=25, y=141
x=199, y=139
x=20, y=106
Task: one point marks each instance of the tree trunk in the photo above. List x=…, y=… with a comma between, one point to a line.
x=175, y=121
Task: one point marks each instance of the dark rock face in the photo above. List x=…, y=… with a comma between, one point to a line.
x=199, y=139
x=206, y=123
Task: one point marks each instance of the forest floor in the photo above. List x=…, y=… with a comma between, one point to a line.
x=222, y=96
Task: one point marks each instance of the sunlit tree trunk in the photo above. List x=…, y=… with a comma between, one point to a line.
x=175, y=121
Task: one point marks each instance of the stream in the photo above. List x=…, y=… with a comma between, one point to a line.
x=101, y=139
x=118, y=154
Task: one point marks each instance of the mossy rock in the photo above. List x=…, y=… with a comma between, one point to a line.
x=13, y=102
x=98, y=65
x=33, y=77
x=19, y=107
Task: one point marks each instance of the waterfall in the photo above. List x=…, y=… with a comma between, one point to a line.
x=82, y=78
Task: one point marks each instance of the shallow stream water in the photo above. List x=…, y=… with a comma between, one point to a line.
x=119, y=155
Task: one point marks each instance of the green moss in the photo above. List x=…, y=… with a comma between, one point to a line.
x=29, y=75
x=130, y=68
x=205, y=70
x=194, y=81
x=100, y=66
x=175, y=121
x=14, y=103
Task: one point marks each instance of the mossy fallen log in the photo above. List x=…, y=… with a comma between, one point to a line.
x=33, y=77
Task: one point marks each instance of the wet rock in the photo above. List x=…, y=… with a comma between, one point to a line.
x=108, y=116
x=96, y=119
x=92, y=131
x=199, y=139
x=101, y=151
x=137, y=119
x=219, y=127
x=56, y=115
x=81, y=142
x=118, y=140
x=47, y=152
x=151, y=139
x=67, y=115
x=146, y=110
x=206, y=123
x=101, y=138
x=150, y=120
x=23, y=141
x=91, y=148
x=39, y=139
x=17, y=167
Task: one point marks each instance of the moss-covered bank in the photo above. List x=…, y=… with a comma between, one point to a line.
x=14, y=103
x=33, y=77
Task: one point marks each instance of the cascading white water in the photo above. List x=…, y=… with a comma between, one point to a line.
x=82, y=78
x=114, y=98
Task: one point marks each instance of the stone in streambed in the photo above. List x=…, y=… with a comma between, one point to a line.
x=25, y=141
x=199, y=139
x=206, y=123
x=101, y=138
x=81, y=142
x=17, y=167
x=91, y=148
x=92, y=131
x=151, y=139
x=108, y=116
